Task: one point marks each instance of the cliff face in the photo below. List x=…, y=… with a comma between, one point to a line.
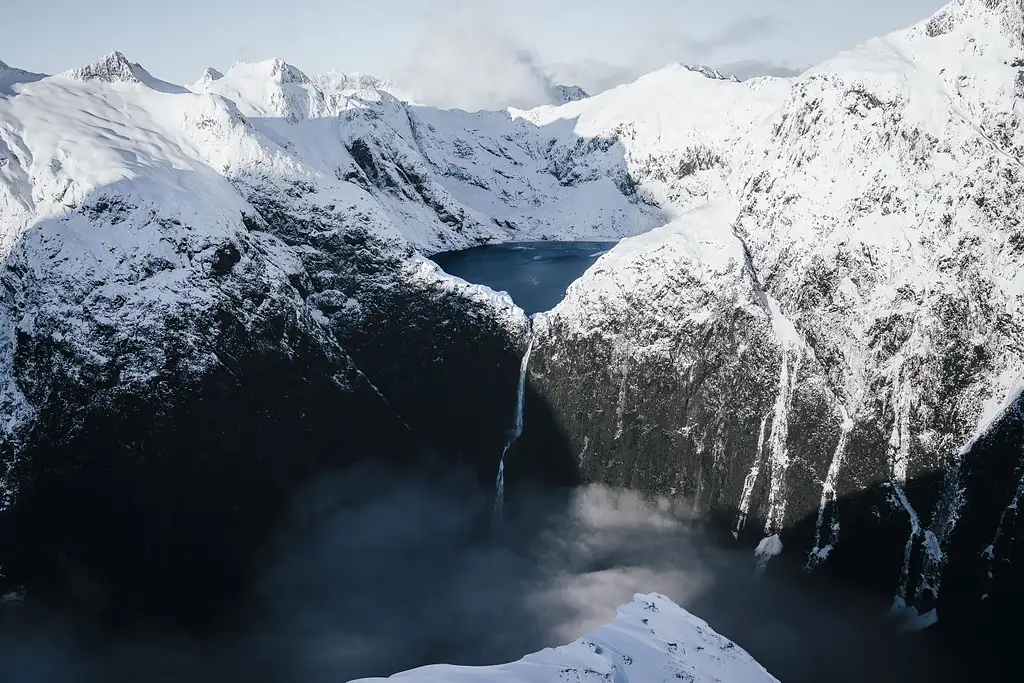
x=168, y=408
x=829, y=358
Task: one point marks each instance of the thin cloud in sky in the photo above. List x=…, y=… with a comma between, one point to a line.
x=740, y=32
x=468, y=58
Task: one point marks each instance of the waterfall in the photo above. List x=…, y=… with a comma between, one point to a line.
x=499, y=495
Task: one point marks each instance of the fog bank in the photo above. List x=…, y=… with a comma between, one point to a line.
x=379, y=571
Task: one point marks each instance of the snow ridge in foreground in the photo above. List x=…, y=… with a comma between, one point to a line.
x=652, y=639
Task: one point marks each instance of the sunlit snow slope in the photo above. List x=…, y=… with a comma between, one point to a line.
x=652, y=640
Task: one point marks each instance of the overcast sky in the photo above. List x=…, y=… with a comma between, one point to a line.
x=447, y=44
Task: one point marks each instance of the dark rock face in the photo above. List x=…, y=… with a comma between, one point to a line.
x=445, y=364
x=984, y=581
x=159, y=459
x=642, y=424
x=446, y=359
x=705, y=433
x=152, y=499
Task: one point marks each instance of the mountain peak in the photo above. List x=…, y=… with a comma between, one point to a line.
x=114, y=68
x=709, y=72
x=283, y=72
x=209, y=76
x=569, y=93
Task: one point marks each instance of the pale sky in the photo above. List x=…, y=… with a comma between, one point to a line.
x=595, y=42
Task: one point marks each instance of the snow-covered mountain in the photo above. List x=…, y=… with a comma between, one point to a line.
x=829, y=353
x=652, y=639
x=710, y=72
x=570, y=93
x=254, y=236
x=812, y=332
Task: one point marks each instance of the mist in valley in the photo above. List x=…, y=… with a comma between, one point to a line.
x=378, y=571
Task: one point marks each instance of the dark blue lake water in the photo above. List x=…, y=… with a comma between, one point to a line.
x=535, y=274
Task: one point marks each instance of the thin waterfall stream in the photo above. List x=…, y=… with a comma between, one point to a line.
x=499, y=485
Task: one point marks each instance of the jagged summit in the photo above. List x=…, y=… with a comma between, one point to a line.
x=709, y=72
x=283, y=72
x=210, y=75
x=113, y=68
x=569, y=93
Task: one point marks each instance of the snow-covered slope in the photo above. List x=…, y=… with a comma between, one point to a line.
x=652, y=640
x=9, y=77
x=679, y=130
x=864, y=271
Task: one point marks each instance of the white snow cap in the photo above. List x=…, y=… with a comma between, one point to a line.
x=113, y=68
x=708, y=72
x=283, y=72
x=569, y=93
x=652, y=640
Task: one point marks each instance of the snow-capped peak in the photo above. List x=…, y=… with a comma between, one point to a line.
x=211, y=75
x=206, y=80
x=709, y=72
x=283, y=72
x=981, y=23
x=113, y=68
x=569, y=93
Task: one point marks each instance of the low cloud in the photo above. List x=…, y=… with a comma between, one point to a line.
x=665, y=46
x=738, y=33
x=467, y=58
x=380, y=570
x=752, y=68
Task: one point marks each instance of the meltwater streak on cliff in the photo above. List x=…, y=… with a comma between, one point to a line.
x=499, y=495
